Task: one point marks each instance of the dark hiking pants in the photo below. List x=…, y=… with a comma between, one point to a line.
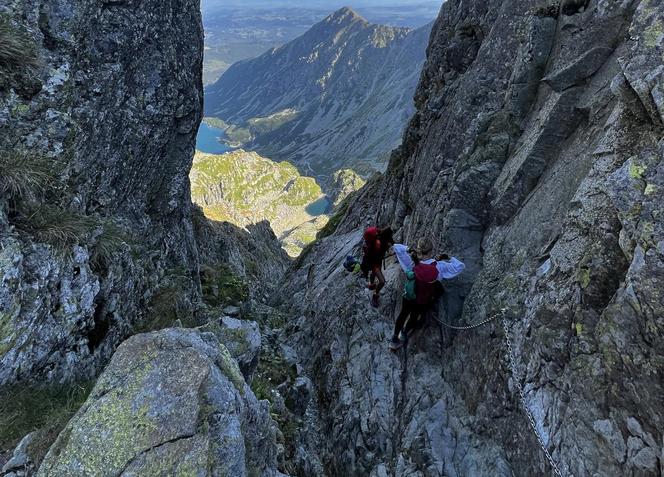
x=412, y=312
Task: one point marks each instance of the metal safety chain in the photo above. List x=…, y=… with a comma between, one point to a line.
x=512, y=364
x=524, y=403
x=469, y=327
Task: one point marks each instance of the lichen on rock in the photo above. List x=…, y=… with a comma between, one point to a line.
x=170, y=401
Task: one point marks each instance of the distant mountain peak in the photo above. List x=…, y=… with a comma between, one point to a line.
x=336, y=97
x=345, y=15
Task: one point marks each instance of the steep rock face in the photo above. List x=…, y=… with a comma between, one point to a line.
x=338, y=96
x=113, y=96
x=535, y=156
x=253, y=254
x=170, y=402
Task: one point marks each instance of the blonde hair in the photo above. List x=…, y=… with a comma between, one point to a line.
x=424, y=246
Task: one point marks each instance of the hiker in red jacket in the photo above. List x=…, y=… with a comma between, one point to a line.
x=422, y=273
x=376, y=244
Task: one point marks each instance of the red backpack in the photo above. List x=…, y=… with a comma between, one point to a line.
x=426, y=275
x=371, y=234
x=373, y=253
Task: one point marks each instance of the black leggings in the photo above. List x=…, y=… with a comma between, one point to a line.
x=412, y=309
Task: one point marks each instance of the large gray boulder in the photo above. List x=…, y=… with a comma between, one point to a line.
x=171, y=402
x=242, y=338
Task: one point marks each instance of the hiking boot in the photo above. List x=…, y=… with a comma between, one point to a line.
x=395, y=343
x=375, y=300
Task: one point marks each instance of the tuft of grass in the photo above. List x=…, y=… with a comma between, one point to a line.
x=166, y=307
x=18, y=52
x=170, y=302
x=272, y=370
x=107, y=244
x=222, y=287
x=46, y=409
x=26, y=176
x=58, y=227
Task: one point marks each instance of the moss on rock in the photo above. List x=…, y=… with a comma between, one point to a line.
x=157, y=409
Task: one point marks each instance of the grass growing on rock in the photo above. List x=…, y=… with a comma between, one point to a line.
x=57, y=226
x=25, y=176
x=35, y=193
x=45, y=409
x=17, y=50
x=109, y=241
x=272, y=371
x=170, y=302
x=222, y=287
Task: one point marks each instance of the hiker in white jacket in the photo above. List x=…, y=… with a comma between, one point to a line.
x=448, y=267
x=422, y=272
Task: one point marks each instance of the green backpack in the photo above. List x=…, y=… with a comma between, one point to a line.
x=409, y=286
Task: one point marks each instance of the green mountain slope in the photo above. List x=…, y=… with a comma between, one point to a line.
x=244, y=188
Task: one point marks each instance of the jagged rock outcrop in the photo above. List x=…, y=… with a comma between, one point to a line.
x=242, y=338
x=20, y=464
x=97, y=134
x=536, y=156
x=170, y=402
x=338, y=96
x=344, y=183
x=253, y=254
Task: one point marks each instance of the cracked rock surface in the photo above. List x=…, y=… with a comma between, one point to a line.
x=536, y=156
x=171, y=402
x=115, y=98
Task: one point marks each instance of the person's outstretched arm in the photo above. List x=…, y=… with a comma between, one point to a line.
x=403, y=256
x=449, y=268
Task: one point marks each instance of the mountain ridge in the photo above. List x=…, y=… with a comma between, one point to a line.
x=344, y=15
x=336, y=97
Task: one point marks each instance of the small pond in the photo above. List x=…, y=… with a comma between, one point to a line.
x=208, y=140
x=319, y=207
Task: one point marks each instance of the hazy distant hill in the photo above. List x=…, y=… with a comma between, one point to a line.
x=337, y=96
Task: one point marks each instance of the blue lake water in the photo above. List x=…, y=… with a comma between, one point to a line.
x=319, y=207
x=208, y=140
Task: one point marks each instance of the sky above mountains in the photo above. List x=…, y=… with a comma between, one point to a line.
x=323, y=4
x=380, y=9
